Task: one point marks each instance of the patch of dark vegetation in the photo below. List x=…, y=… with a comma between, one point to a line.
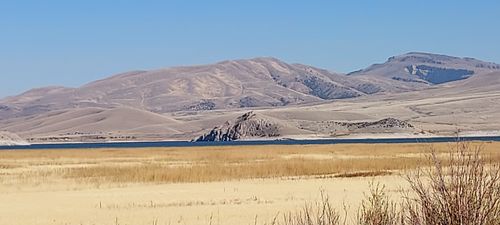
x=277, y=78
x=420, y=59
x=368, y=88
x=363, y=174
x=203, y=105
x=408, y=80
x=35, y=109
x=327, y=90
x=488, y=66
x=76, y=137
x=4, y=107
x=384, y=123
x=248, y=101
x=284, y=101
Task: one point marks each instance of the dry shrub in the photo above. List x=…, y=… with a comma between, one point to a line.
x=466, y=191
x=460, y=189
x=377, y=209
x=320, y=213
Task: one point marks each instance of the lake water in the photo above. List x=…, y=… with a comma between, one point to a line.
x=236, y=143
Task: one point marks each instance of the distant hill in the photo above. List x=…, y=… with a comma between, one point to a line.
x=417, y=70
x=180, y=103
x=259, y=82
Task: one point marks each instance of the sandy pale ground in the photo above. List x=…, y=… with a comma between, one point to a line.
x=106, y=186
x=235, y=202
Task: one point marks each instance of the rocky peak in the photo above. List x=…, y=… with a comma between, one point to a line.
x=248, y=125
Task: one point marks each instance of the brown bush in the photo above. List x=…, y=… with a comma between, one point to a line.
x=460, y=189
x=320, y=213
x=464, y=191
x=377, y=209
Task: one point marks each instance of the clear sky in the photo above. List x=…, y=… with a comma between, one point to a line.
x=70, y=43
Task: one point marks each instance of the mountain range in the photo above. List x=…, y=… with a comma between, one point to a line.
x=183, y=102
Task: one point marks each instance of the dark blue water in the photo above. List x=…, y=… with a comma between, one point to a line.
x=239, y=143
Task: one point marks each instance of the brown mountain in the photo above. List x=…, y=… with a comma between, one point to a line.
x=429, y=91
x=259, y=82
x=416, y=70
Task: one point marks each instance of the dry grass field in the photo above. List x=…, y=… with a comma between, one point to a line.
x=198, y=185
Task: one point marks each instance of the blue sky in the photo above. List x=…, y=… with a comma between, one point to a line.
x=70, y=43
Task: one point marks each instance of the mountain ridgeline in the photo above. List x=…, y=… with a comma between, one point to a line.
x=259, y=82
x=184, y=102
x=256, y=82
x=427, y=69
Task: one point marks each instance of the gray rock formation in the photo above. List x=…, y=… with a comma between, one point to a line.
x=9, y=139
x=248, y=125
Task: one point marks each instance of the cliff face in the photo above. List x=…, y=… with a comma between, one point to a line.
x=248, y=125
x=7, y=138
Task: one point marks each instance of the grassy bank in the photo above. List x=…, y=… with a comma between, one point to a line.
x=206, y=164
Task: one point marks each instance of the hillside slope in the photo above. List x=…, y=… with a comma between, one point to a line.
x=437, y=94
x=417, y=70
x=8, y=138
x=259, y=82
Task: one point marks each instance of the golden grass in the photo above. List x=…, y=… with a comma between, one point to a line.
x=7, y=166
x=205, y=164
x=158, y=173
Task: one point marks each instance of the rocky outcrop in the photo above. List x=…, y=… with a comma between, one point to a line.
x=387, y=125
x=10, y=139
x=248, y=125
x=381, y=124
